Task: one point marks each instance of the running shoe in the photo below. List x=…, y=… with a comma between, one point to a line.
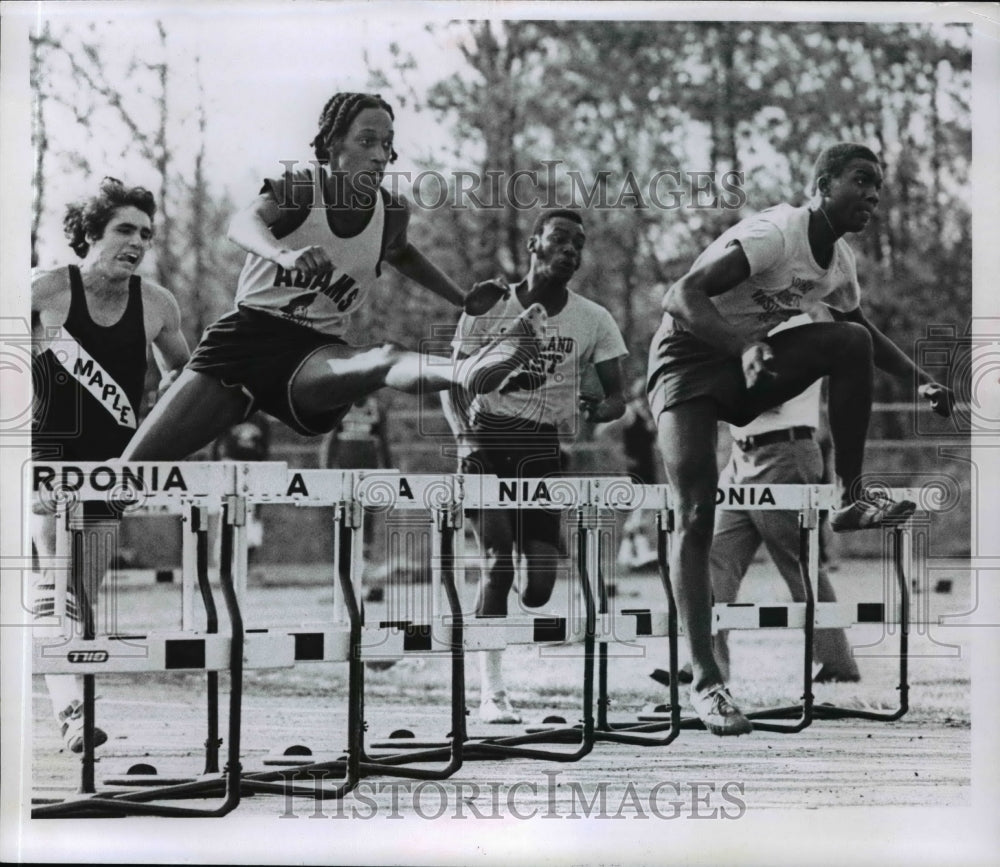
x=498, y=709
x=872, y=510
x=507, y=353
x=72, y=728
x=717, y=710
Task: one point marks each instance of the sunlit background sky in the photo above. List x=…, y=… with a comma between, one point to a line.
x=266, y=71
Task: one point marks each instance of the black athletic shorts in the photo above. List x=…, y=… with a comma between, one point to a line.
x=683, y=367
x=260, y=354
x=524, y=451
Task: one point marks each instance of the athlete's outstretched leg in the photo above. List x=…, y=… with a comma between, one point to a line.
x=193, y=412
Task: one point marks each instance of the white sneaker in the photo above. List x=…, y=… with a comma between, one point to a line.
x=506, y=354
x=872, y=510
x=497, y=709
x=72, y=728
x=717, y=710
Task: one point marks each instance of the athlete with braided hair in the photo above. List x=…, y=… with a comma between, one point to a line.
x=316, y=239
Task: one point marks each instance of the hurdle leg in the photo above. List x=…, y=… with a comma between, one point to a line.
x=587, y=555
x=826, y=711
x=195, y=522
x=81, y=591
x=141, y=803
x=347, y=526
x=637, y=733
x=808, y=568
x=447, y=525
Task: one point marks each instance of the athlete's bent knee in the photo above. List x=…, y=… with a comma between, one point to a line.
x=855, y=341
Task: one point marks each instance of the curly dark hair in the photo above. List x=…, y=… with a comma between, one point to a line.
x=89, y=218
x=337, y=116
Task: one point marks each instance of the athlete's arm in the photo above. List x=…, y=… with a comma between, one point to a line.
x=250, y=229
x=609, y=373
x=169, y=344
x=687, y=300
x=50, y=292
x=890, y=358
x=410, y=262
x=50, y=298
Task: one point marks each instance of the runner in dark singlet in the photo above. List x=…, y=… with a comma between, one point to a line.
x=92, y=326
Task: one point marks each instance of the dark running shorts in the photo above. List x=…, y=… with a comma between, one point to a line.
x=261, y=354
x=525, y=451
x=683, y=367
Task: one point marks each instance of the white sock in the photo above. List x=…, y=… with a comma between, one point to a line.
x=490, y=673
x=64, y=689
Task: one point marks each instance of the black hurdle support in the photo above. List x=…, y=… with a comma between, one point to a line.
x=212, y=741
x=140, y=803
x=497, y=747
x=644, y=734
x=348, y=518
x=84, y=607
x=448, y=522
x=827, y=711
x=808, y=525
x=584, y=734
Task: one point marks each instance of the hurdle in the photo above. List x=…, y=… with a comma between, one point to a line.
x=193, y=489
x=807, y=615
x=810, y=614
x=448, y=496
x=351, y=492
x=134, y=488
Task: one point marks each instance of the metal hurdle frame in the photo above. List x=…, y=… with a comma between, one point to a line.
x=349, y=492
x=234, y=486
x=447, y=496
x=815, y=498
x=126, y=485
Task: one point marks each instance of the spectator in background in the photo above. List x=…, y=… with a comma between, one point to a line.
x=359, y=441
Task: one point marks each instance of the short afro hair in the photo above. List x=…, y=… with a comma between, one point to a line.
x=832, y=160
x=89, y=218
x=545, y=216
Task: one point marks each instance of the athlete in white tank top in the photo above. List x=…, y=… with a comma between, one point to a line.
x=323, y=301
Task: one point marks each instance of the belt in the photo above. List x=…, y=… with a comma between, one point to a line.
x=785, y=435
